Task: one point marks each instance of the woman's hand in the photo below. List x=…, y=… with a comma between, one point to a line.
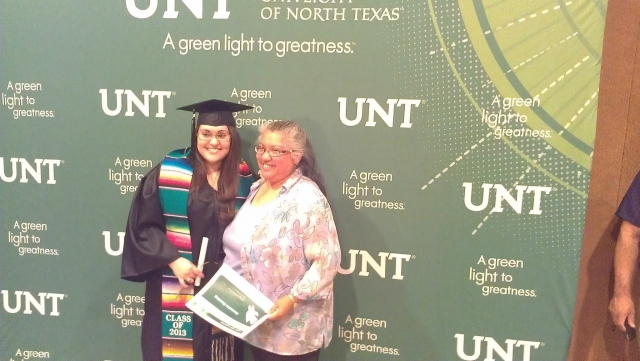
x=282, y=307
x=186, y=271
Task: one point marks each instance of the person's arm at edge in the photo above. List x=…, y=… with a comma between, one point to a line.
x=621, y=306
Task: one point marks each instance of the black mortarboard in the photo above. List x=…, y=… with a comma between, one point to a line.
x=213, y=112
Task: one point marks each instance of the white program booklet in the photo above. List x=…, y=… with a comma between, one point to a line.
x=231, y=303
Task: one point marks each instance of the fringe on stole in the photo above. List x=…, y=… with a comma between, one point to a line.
x=222, y=349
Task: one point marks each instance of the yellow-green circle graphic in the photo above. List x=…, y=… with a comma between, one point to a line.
x=550, y=51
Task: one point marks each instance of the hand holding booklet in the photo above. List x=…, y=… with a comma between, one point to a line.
x=231, y=303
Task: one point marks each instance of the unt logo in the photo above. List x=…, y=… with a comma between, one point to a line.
x=374, y=108
x=143, y=103
x=365, y=260
x=195, y=6
x=33, y=169
x=108, y=246
x=492, y=347
x=502, y=194
x=23, y=301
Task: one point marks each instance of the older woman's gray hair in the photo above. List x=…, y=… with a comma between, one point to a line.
x=298, y=140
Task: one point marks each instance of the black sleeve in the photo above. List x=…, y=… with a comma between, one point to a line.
x=146, y=246
x=629, y=208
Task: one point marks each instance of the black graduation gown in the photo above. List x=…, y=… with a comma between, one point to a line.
x=147, y=250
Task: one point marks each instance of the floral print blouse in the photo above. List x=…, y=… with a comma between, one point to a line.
x=294, y=250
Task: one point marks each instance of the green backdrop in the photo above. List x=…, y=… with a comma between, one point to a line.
x=455, y=138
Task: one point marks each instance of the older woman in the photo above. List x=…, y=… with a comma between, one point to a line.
x=191, y=195
x=284, y=241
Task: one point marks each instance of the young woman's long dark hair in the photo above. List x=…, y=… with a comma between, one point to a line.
x=228, y=179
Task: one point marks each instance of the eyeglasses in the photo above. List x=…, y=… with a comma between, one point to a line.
x=273, y=152
x=220, y=136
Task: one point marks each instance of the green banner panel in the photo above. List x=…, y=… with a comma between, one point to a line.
x=455, y=138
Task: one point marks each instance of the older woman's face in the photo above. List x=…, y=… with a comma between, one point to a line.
x=211, y=143
x=276, y=169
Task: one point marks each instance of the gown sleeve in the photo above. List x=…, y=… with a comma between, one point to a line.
x=146, y=247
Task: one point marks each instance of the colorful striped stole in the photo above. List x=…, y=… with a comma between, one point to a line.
x=174, y=182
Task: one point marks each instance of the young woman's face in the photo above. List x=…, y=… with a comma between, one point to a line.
x=213, y=143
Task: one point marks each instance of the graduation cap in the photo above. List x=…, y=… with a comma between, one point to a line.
x=213, y=112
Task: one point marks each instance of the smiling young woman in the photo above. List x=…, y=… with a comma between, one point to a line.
x=191, y=195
